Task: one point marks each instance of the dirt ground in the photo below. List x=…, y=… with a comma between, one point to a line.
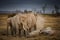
x=43, y=37
x=56, y=36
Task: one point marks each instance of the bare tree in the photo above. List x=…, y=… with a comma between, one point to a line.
x=25, y=11
x=34, y=10
x=56, y=9
x=44, y=8
x=17, y=11
x=53, y=12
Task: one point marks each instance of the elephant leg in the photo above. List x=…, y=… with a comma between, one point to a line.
x=30, y=30
x=19, y=32
x=34, y=27
x=26, y=33
x=22, y=32
x=11, y=31
x=14, y=32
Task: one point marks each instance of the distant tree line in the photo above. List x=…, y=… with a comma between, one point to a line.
x=56, y=9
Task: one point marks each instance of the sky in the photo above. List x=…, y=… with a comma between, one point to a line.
x=12, y=5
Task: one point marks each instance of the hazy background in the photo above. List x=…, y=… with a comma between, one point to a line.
x=12, y=5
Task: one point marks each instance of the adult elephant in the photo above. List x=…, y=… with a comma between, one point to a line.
x=40, y=22
x=13, y=24
x=27, y=21
x=22, y=22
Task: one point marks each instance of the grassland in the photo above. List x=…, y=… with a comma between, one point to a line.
x=51, y=21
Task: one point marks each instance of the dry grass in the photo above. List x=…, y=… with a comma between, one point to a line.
x=54, y=22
